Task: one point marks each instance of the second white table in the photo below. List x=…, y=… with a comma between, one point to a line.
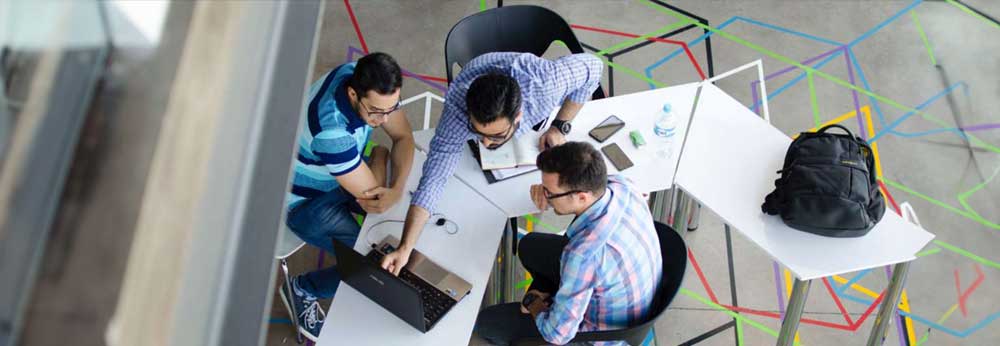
x=638, y=110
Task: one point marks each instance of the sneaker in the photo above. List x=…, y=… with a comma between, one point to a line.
x=307, y=312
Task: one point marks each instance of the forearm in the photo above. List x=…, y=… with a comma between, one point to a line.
x=402, y=161
x=556, y=325
x=416, y=218
x=568, y=110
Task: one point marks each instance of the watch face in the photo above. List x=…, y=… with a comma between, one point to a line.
x=528, y=299
x=565, y=128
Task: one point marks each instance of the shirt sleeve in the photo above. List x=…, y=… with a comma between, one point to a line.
x=560, y=323
x=582, y=73
x=338, y=151
x=443, y=156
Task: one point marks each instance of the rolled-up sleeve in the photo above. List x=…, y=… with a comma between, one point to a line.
x=582, y=73
x=561, y=322
x=442, y=158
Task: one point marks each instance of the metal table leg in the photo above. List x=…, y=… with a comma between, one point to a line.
x=682, y=211
x=658, y=205
x=695, y=217
x=493, y=284
x=501, y=289
x=510, y=246
x=889, y=302
x=797, y=303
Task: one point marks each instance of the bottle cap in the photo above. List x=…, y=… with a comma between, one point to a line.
x=666, y=107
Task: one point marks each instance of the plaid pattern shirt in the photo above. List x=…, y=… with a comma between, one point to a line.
x=611, y=267
x=545, y=84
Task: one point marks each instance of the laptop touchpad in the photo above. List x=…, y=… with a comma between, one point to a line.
x=429, y=272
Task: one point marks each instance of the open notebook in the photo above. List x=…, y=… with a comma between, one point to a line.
x=519, y=151
x=518, y=154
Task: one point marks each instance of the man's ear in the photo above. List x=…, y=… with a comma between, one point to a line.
x=473, y=122
x=351, y=93
x=520, y=114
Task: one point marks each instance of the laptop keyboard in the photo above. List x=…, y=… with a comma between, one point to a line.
x=436, y=303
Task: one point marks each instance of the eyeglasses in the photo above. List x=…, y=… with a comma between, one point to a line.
x=379, y=114
x=502, y=138
x=550, y=196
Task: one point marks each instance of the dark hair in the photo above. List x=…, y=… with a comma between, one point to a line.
x=579, y=165
x=493, y=96
x=376, y=71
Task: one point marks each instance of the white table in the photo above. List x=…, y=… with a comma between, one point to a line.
x=638, y=110
x=355, y=320
x=729, y=164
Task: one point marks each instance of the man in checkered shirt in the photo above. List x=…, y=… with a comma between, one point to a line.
x=602, y=275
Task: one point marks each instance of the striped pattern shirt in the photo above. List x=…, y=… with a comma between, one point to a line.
x=332, y=139
x=611, y=267
x=545, y=84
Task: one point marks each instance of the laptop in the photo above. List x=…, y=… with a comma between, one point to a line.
x=422, y=293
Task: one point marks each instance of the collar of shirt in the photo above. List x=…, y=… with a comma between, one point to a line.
x=596, y=211
x=344, y=106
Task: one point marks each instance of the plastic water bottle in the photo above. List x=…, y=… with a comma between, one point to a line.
x=664, y=130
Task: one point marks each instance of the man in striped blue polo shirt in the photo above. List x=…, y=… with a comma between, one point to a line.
x=333, y=178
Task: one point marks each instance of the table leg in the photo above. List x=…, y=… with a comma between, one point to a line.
x=889, y=302
x=695, y=217
x=501, y=286
x=494, y=290
x=682, y=211
x=658, y=205
x=797, y=303
x=510, y=246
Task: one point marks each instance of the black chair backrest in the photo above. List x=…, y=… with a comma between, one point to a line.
x=520, y=28
x=674, y=254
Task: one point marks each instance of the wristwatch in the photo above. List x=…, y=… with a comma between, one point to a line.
x=528, y=299
x=531, y=297
x=563, y=126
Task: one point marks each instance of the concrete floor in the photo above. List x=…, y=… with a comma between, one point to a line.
x=950, y=185
x=948, y=182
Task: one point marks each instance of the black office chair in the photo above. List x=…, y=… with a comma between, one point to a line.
x=674, y=254
x=520, y=28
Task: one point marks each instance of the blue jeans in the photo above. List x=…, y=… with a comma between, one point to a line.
x=318, y=221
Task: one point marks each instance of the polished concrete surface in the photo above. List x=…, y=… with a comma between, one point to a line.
x=953, y=287
x=933, y=172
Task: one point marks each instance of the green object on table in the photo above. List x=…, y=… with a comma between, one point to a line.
x=637, y=139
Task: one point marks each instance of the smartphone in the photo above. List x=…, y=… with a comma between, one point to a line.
x=617, y=156
x=606, y=129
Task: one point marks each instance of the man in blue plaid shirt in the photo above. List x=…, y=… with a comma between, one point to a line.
x=602, y=275
x=495, y=97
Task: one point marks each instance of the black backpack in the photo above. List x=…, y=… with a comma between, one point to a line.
x=827, y=186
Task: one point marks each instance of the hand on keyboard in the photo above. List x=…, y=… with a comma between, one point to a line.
x=396, y=260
